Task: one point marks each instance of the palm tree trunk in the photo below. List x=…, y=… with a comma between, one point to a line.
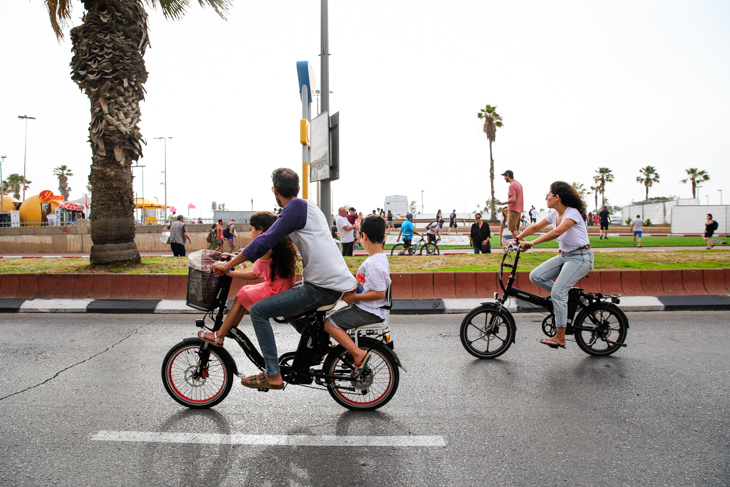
x=492, y=206
x=108, y=65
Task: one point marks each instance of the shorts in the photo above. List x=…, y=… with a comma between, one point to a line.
x=452, y=225
x=637, y=233
x=513, y=221
x=604, y=225
x=406, y=242
x=231, y=241
x=352, y=317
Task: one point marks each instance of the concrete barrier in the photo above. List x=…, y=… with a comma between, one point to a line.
x=445, y=285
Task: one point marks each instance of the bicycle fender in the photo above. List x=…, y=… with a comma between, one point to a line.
x=225, y=355
x=367, y=343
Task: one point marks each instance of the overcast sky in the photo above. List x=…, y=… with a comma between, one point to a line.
x=580, y=85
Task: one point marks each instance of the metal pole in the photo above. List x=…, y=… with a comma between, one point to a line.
x=164, y=139
x=305, y=147
x=2, y=190
x=143, y=203
x=325, y=196
x=718, y=190
x=25, y=152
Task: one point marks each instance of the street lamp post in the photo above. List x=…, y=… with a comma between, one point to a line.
x=25, y=153
x=718, y=190
x=422, y=202
x=164, y=139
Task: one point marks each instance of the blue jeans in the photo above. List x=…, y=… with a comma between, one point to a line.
x=293, y=302
x=566, y=268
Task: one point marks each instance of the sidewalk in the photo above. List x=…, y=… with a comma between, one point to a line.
x=400, y=307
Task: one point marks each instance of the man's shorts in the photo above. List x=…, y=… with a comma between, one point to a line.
x=231, y=241
x=406, y=242
x=637, y=233
x=513, y=221
x=604, y=225
x=352, y=317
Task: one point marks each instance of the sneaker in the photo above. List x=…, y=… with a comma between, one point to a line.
x=600, y=237
x=639, y=246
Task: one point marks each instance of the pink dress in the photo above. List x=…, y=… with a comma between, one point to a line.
x=248, y=295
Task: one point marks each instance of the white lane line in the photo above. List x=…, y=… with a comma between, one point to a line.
x=268, y=440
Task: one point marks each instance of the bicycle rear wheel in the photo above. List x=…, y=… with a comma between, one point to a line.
x=376, y=385
x=193, y=386
x=486, y=332
x=397, y=250
x=601, y=329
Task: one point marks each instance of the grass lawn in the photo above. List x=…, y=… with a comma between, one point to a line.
x=665, y=259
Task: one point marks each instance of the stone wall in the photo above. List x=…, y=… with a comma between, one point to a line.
x=76, y=238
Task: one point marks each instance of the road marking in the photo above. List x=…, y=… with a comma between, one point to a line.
x=269, y=440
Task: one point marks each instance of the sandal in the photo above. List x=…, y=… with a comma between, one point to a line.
x=216, y=342
x=260, y=382
x=551, y=343
x=360, y=366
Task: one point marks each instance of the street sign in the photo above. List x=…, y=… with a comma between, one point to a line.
x=320, y=149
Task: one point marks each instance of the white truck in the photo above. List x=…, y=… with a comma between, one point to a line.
x=397, y=204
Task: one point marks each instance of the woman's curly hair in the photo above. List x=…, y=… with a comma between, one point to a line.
x=568, y=195
x=284, y=254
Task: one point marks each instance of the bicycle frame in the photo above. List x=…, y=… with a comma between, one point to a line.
x=577, y=298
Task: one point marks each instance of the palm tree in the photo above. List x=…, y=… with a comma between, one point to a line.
x=596, y=189
x=580, y=189
x=603, y=175
x=696, y=177
x=14, y=184
x=648, y=177
x=63, y=173
x=108, y=65
x=492, y=120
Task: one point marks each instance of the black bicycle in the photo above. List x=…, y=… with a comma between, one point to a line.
x=488, y=330
x=199, y=375
x=420, y=247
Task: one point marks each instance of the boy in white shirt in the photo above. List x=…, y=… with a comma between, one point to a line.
x=373, y=279
x=637, y=226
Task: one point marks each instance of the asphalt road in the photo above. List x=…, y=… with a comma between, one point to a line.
x=655, y=413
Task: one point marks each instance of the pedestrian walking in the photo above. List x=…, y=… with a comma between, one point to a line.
x=514, y=202
x=605, y=219
x=637, y=226
x=389, y=221
x=178, y=235
x=346, y=231
x=452, y=221
x=710, y=227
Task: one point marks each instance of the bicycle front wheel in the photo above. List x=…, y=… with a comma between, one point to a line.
x=487, y=332
x=430, y=249
x=191, y=384
x=601, y=329
x=376, y=385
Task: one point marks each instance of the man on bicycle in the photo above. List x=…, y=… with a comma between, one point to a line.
x=407, y=230
x=325, y=275
x=433, y=230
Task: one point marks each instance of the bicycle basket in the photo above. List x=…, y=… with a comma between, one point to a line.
x=203, y=289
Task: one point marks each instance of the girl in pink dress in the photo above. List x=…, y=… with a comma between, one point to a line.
x=277, y=267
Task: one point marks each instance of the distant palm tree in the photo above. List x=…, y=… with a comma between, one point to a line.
x=580, y=189
x=596, y=189
x=696, y=177
x=14, y=184
x=63, y=173
x=108, y=65
x=492, y=120
x=648, y=177
x=603, y=175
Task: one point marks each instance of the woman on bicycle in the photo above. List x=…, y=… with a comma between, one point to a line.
x=574, y=259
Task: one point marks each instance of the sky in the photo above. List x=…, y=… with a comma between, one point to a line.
x=579, y=85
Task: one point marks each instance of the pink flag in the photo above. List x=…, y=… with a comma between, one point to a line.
x=191, y=206
x=86, y=204
x=173, y=209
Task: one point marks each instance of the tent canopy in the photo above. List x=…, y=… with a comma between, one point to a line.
x=145, y=203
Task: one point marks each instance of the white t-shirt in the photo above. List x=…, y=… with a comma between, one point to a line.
x=435, y=227
x=637, y=224
x=374, y=275
x=576, y=236
x=346, y=236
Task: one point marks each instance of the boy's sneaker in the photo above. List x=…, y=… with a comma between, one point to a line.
x=600, y=237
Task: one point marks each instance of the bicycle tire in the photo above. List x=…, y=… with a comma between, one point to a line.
x=376, y=385
x=186, y=386
x=485, y=324
x=430, y=249
x=609, y=327
x=397, y=249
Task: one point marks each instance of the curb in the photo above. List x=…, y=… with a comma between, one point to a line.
x=400, y=307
